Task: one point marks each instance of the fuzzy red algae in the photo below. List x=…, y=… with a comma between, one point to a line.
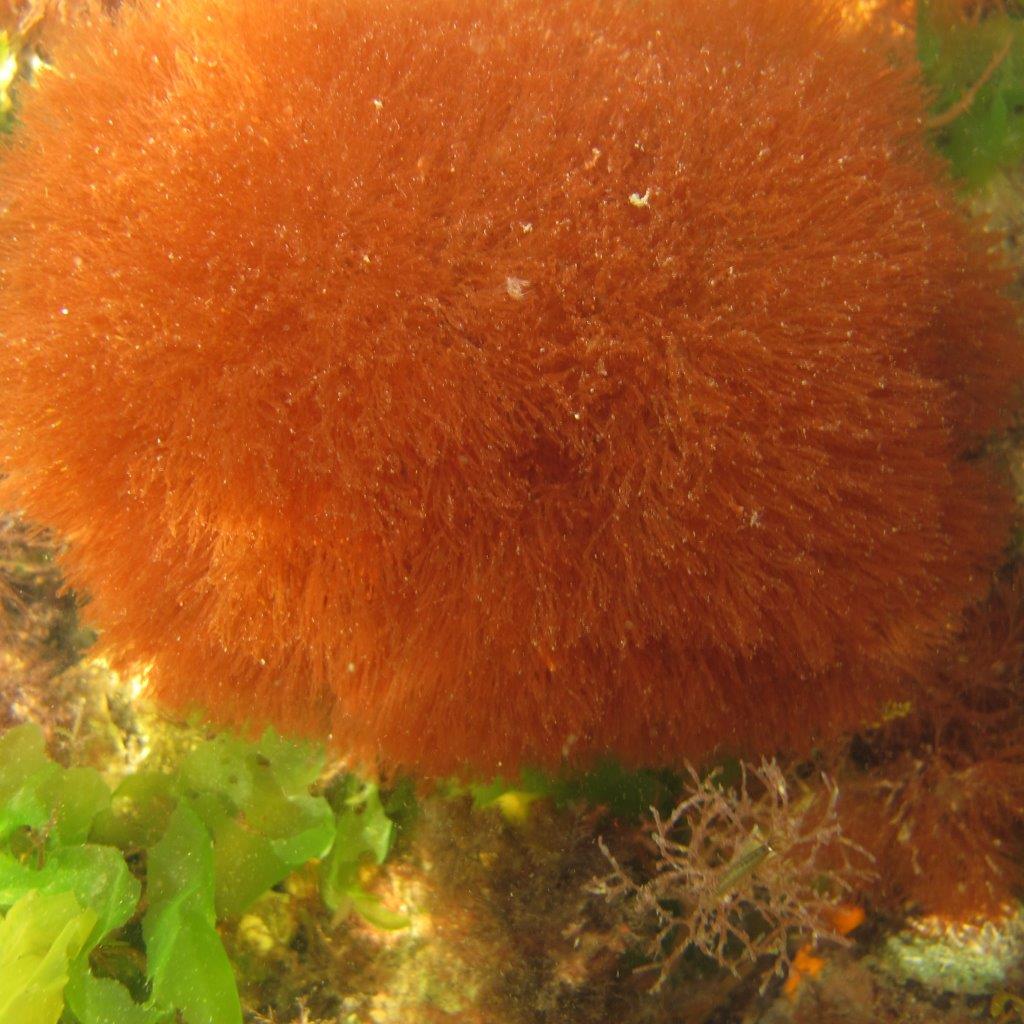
x=501, y=380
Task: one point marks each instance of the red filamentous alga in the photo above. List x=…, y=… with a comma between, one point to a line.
x=500, y=380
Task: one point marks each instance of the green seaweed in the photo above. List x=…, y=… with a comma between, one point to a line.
x=975, y=75
x=97, y=882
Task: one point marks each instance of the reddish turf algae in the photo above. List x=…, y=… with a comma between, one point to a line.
x=490, y=381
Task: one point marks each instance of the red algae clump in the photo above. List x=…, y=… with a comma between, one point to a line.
x=489, y=381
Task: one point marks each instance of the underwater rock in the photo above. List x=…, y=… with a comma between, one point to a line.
x=499, y=381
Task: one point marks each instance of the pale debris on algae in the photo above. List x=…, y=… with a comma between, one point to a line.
x=966, y=957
